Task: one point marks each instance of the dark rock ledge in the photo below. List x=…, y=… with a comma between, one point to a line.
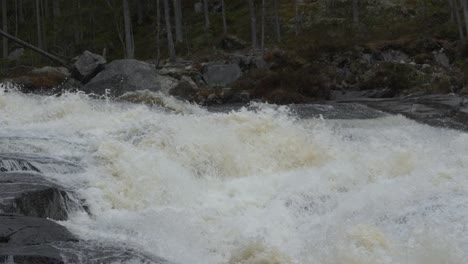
x=29, y=202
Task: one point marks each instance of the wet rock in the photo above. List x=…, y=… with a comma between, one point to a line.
x=221, y=74
x=87, y=65
x=31, y=194
x=121, y=76
x=11, y=162
x=443, y=110
x=183, y=90
x=442, y=59
x=29, y=240
x=42, y=80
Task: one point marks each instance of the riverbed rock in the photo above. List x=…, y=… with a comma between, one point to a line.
x=87, y=65
x=127, y=75
x=221, y=74
x=30, y=240
x=31, y=194
x=443, y=110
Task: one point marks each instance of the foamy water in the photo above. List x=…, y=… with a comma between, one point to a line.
x=252, y=186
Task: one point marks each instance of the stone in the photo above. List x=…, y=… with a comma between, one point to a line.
x=31, y=194
x=221, y=74
x=16, y=54
x=167, y=83
x=442, y=59
x=18, y=162
x=30, y=240
x=183, y=90
x=127, y=75
x=87, y=65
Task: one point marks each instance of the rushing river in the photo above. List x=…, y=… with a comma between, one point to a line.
x=258, y=185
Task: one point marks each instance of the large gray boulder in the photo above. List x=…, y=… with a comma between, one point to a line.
x=128, y=75
x=221, y=74
x=87, y=65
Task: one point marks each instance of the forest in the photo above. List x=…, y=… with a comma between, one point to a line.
x=307, y=32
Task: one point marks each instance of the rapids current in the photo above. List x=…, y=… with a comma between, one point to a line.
x=258, y=185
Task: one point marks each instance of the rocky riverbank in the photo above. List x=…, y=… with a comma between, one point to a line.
x=394, y=70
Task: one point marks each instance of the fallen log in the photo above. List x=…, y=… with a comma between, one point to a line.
x=36, y=49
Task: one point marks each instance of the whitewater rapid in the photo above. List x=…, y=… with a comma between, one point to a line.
x=251, y=186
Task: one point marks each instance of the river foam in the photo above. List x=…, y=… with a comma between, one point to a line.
x=253, y=186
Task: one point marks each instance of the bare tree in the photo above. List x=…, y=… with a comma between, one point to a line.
x=129, y=48
x=20, y=11
x=170, y=42
x=355, y=12
x=178, y=21
x=253, y=24
x=465, y=13
x=56, y=8
x=223, y=9
x=262, y=44
x=297, y=16
x=451, y=9
x=207, y=14
x=458, y=17
x=5, y=28
x=158, y=32
x=277, y=20
x=38, y=25
x=139, y=7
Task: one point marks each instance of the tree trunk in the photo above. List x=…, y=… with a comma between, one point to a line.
x=56, y=8
x=170, y=42
x=277, y=20
x=129, y=49
x=178, y=21
x=223, y=9
x=36, y=49
x=262, y=45
x=44, y=24
x=355, y=12
x=452, y=12
x=16, y=19
x=21, y=13
x=139, y=12
x=158, y=33
x=5, y=28
x=253, y=24
x=207, y=14
x=459, y=22
x=465, y=13
x=38, y=25
x=296, y=17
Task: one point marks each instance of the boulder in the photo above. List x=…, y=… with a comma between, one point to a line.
x=31, y=194
x=127, y=75
x=28, y=240
x=221, y=74
x=183, y=90
x=87, y=65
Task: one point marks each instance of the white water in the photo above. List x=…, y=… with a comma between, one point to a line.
x=252, y=187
